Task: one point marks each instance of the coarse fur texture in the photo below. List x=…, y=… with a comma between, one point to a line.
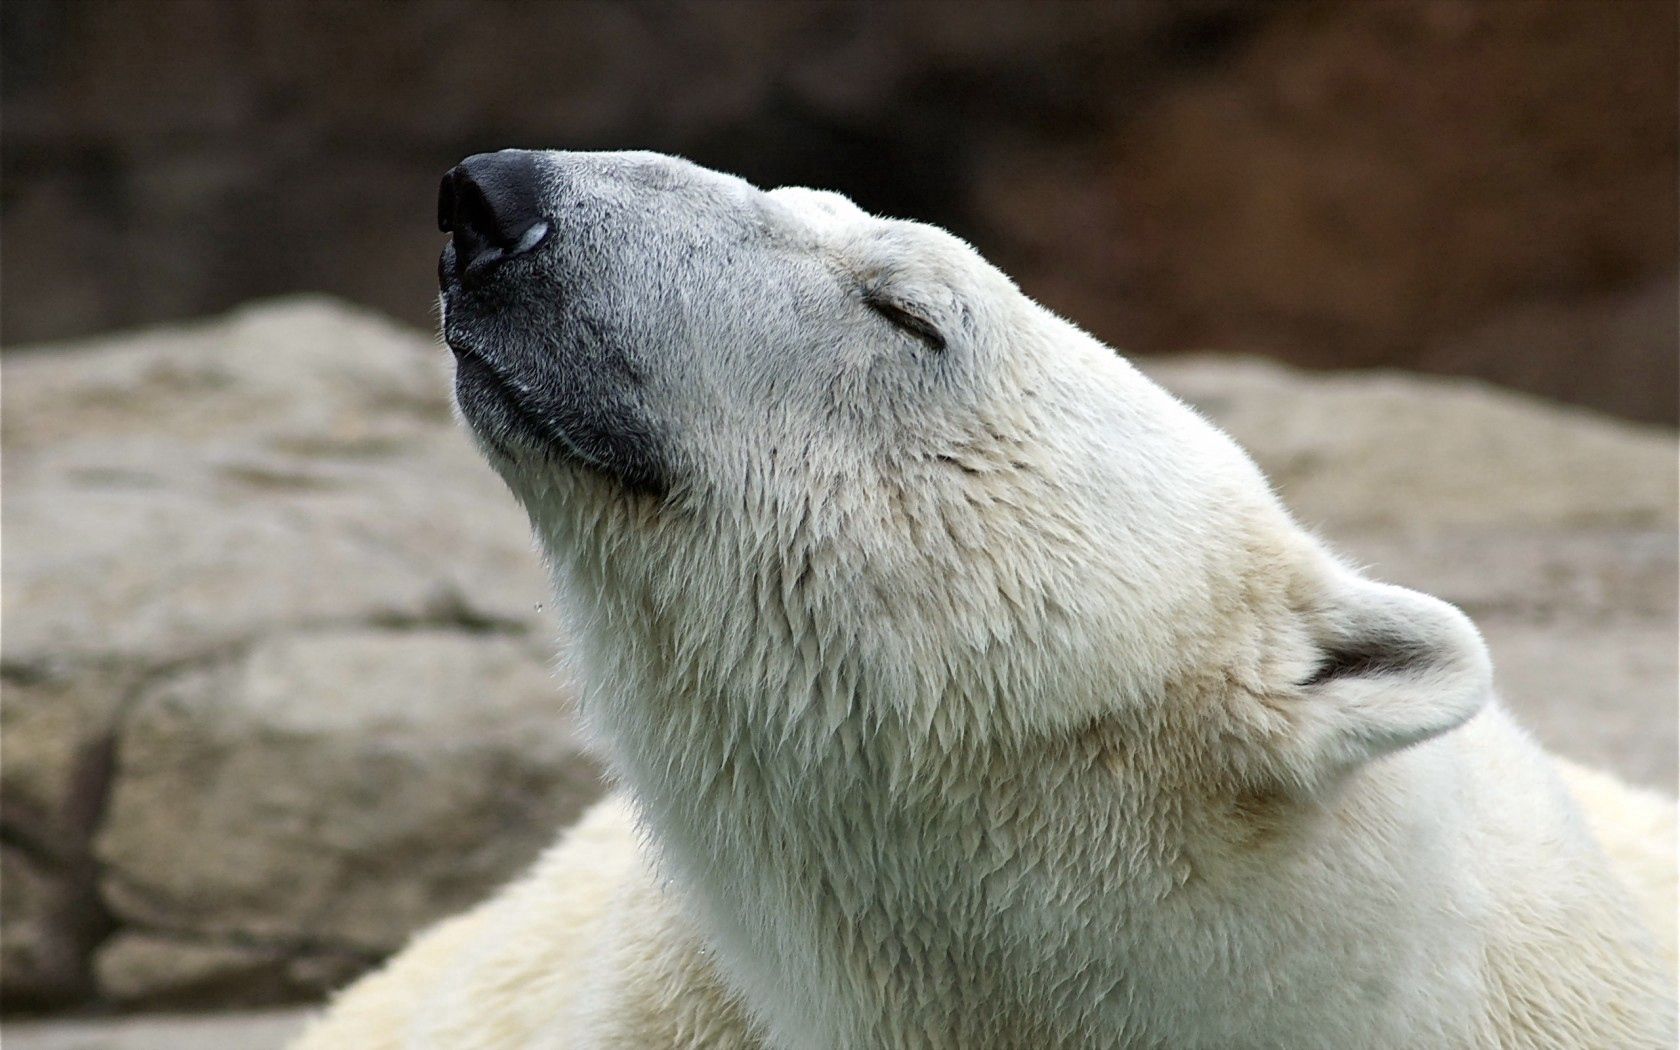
x=974, y=692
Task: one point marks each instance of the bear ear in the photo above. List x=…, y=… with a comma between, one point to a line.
x=1392, y=668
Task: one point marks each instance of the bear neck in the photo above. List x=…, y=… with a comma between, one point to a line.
x=866, y=884
x=987, y=856
x=1004, y=897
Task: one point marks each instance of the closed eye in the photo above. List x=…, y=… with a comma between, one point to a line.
x=920, y=327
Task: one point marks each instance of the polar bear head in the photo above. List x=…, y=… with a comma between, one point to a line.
x=832, y=477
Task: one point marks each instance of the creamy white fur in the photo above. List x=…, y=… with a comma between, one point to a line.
x=977, y=697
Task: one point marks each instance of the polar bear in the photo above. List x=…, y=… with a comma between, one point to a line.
x=964, y=687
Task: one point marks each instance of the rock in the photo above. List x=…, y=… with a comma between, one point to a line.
x=1533, y=575
x=1552, y=527
x=274, y=645
x=338, y=788
x=276, y=670
x=1599, y=690
x=271, y=1030
x=167, y=490
x=51, y=924
x=1365, y=451
x=57, y=729
x=1564, y=345
x=56, y=747
x=164, y=971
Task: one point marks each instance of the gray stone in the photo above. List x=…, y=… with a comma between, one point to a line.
x=276, y=687
x=1552, y=527
x=270, y=1030
x=57, y=740
x=273, y=640
x=165, y=971
x=338, y=788
x=1598, y=690
x=168, y=971
x=193, y=488
x=49, y=927
x=1374, y=450
x=57, y=732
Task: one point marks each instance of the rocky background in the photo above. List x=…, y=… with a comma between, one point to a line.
x=274, y=684
x=276, y=666
x=1478, y=187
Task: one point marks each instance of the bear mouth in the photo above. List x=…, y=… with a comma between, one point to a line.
x=520, y=425
x=495, y=408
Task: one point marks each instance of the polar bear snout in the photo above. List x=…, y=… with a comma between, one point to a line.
x=490, y=204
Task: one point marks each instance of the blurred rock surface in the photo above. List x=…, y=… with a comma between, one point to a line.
x=268, y=1030
x=276, y=678
x=275, y=666
x=1553, y=527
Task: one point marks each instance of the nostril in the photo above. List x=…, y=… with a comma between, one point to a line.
x=446, y=202
x=472, y=220
x=491, y=204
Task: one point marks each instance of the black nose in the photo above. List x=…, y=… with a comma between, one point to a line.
x=491, y=202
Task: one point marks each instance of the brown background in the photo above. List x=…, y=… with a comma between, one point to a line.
x=1483, y=188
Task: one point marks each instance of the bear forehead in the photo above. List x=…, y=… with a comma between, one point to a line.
x=823, y=206
x=875, y=243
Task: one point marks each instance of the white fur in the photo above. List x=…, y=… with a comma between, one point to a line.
x=976, y=697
